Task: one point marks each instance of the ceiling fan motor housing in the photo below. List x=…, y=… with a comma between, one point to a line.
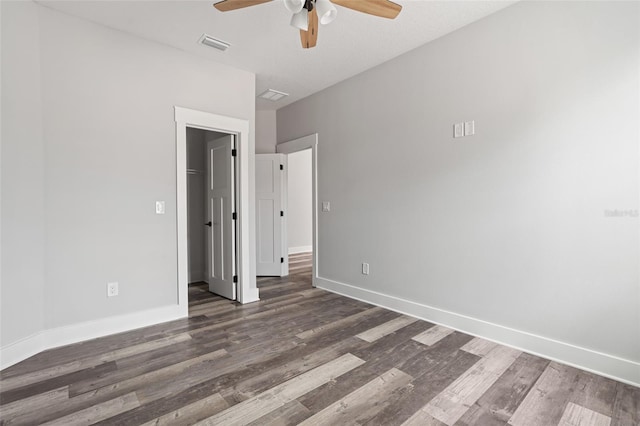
x=308, y=5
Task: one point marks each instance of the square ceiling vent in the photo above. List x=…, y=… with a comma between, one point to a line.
x=272, y=95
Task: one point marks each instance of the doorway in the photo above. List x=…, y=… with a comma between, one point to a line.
x=246, y=290
x=299, y=209
x=284, y=211
x=211, y=230
x=298, y=152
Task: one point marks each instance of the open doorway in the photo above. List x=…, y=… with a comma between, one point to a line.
x=300, y=153
x=211, y=228
x=241, y=173
x=286, y=230
x=299, y=216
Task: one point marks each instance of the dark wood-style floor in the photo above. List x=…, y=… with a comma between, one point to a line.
x=304, y=356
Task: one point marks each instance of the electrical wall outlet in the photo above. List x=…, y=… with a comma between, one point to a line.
x=112, y=289
x=365, y=268
x=326, y=206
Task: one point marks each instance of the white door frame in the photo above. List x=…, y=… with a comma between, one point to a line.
x=247, y=291
x=300, y=144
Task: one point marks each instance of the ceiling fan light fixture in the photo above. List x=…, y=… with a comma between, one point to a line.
x=327, y=12
x=300, y=20
x=294, y=6
x=307, y=14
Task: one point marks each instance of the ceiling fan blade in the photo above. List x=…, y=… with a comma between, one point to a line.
x=382, y=8
x=227, y=5
x=309, y=38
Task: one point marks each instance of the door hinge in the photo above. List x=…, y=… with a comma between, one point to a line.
x=234, y=152
x=235, y=278
x=281, y=167
x=234, y=216
x=281, y=213
x=282, y=260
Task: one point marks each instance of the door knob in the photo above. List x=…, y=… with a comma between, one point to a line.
x=208, y=224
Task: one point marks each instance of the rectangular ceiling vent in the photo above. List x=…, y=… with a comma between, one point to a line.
x=272, y=95
x=207, y=40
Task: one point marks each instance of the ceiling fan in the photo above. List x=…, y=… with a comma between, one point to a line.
x=307, y=13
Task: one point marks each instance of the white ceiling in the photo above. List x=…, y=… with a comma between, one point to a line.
x=263, y=42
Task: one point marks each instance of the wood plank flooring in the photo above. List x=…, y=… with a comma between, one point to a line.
x=303, y=356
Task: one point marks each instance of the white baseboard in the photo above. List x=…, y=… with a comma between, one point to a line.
x=300, y=249
x=249, y=296
x=607, y=365
x=22, y=349
x=18, y=351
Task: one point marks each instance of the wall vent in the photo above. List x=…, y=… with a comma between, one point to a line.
x=207, y=40
x=272, y=95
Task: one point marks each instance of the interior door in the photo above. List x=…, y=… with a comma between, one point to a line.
x=269, y=215
x=221, y=229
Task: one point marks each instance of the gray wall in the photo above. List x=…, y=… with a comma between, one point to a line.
x=22, y=176
x=509, y=225
x=110, y=147
x=265, y=132
x=299, y=203
x=107, y=155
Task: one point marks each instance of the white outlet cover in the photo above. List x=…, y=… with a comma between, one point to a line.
x=112, y=289
x=458, y=130
x=326, y=206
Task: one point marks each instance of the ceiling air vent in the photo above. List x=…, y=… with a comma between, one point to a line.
x=272, y=95
x=207, y=40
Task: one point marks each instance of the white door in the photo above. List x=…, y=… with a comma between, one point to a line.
x=269, y=215
x=221, y=238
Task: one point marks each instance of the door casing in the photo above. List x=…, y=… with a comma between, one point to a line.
x=185, y=117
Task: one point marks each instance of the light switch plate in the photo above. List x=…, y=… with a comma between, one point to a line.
x=458, y=130
x=365, y=268
x=160, y=207
x=469, y=128
x=326, y=206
